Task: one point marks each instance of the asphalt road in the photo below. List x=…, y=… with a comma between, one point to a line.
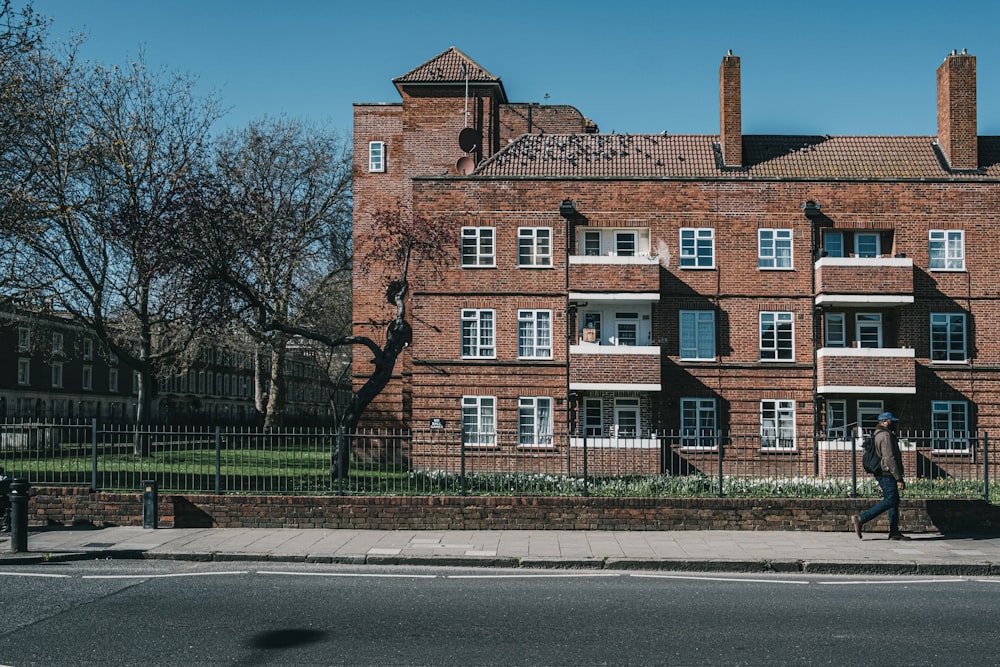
x=178, y=613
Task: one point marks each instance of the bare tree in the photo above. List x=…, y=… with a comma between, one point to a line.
x=97, y=181
x=274, y=232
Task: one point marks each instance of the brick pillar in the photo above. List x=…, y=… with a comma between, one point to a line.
x=730, y=111
x=956, y=100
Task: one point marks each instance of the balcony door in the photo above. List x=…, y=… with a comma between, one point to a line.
x=868, y=329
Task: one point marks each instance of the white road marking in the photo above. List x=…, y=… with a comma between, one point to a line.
x=347, y=574
x=34, y=574
x=163, y=576
x=709, y=578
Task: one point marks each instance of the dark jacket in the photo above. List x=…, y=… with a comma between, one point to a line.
x=887, y=446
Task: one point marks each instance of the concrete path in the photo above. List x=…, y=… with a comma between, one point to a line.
x=718, y=551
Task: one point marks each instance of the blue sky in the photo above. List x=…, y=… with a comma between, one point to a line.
x=845, y=68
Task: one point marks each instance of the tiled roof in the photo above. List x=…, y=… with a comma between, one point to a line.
x=451, y=67
x=764, y=157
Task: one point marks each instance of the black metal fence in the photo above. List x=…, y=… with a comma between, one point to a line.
x=439, y=462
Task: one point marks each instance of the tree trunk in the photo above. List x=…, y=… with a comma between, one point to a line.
x=278, y=394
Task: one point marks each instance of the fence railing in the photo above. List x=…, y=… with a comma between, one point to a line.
x=440, y=462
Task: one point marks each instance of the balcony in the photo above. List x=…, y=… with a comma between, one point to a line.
x=614, y=367
x=865, y=370
x=612, y=273
x=858, y=281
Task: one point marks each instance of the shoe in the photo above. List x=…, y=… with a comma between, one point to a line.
x=898, y=536
x=856, y=522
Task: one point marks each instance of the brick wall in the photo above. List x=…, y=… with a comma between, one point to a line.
x=79, y=506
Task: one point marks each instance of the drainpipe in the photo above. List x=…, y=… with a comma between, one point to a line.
x=811, y=209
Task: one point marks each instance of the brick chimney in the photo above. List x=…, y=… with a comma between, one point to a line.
x=956, y=104
x=730, y=111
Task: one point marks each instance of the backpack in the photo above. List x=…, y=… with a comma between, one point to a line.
x=870, y=459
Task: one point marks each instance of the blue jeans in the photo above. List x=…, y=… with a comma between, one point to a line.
x=890, y=503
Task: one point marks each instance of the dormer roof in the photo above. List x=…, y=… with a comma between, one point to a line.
x=451, y=67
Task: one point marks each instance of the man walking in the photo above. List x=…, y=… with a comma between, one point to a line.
x=890, y=478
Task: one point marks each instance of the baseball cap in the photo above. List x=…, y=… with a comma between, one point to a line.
x=888, y=415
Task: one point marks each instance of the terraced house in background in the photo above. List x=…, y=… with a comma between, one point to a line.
x=662, y=289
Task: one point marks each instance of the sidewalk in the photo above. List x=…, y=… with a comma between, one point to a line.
x=714, y=551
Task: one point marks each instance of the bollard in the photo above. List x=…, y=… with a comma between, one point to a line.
x=19, y=488
x=150, y=510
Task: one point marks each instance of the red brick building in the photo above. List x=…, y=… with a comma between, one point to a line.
x=632, y=286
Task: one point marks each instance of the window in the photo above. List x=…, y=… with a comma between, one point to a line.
x=24, y=372
x=479, y=420
x=836, y=420
x=833, y=244
x=947, y=249
x=625, y=244
x=88, y=349
x=534, y=334
x=697, y=337
x=376, y=156
x=592, y=327
x=868, y=328
x=478, y=246
x=774, y=248
x=57, y=375
x=627, y=417
x=697, y=248
x=868, y=412
x=592, y=243
x=57, y=343
x=948, y=337
x=478, y=334
x=950, y=426
x=836, y=330
x=593, y=417
x=87, y=379
x=776, y=340
x=626, y=329
x=23, y=339
x=534, y=246
x=113, y=380
x=534, y=422
x=698, y=422
x=777, y=424
x=867, y=244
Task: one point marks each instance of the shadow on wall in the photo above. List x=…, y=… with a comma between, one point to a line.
x=189, y=515
x=965, y=516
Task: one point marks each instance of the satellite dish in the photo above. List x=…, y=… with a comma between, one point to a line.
x=469, y=139
x=466, y=165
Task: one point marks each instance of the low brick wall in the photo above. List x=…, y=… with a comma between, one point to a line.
x=68, y=506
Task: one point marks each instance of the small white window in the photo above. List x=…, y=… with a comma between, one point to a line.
x=534, y=422
x=88, y=349
x=478, y=334
x=836, y=330
x=774, y=248
x=57, y=343
x=113, y=380
x=947, y=249
x=534, y=334
x=777, y=424
x=697, y=248
x=833, y=244
x=87, y=380
x=376, y=156
x=867, y=244
x=534, y=246
x=478, y=246
x=697, y=334
x=948, y=337
x=24, y=372
x=479, y=420
x=57, y=375
x=626, y=244
x=776, y=337
x=23, y=339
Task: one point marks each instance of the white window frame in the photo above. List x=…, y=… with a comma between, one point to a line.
x=693, y=242
x=859, y=238
x=950, y=426
x=772, y=343
x=478, y=247
x=593, y=417
x=946, y=249
x=777, y=424
x=24, y=372
x=87, y=378
x=623, y=237
x=948, y=338
x=589, y=238
x=478, y=333
x=623, y=408
x=868, y=412
x=534, y=421
x=376, y=157
x=865, y=324
x=833, y=243
x=113, y=380
x=774, y=249
x=697, y=335
x=57, y=375
x=479, y=421
x=699, y=423
x=88, y=349
x=534, y=247
x=836, y=420
x=58, y=342
x=831, y=336
x=23, y=339
x=624, y=320
x=534, y=334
